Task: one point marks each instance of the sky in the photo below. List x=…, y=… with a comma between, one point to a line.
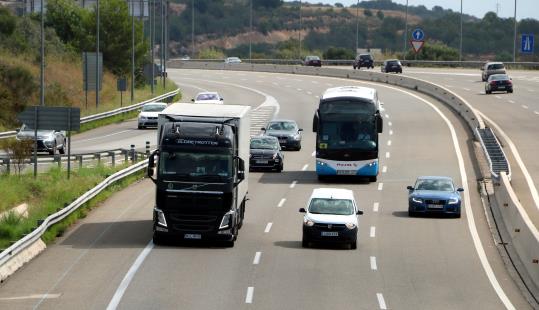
x=478, y=8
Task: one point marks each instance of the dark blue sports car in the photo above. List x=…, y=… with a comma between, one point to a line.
x=434, y=194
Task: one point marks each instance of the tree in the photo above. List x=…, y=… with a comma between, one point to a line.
x=367, y=13
x=338, y=53
x=7, y=22
x=65, y=17
x=380, y=15
x=17, y=89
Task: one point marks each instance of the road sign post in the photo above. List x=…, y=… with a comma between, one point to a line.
x=526, y=44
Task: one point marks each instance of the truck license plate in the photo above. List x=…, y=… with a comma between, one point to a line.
x=261, y=161
x=192, y=236
x=330, y=234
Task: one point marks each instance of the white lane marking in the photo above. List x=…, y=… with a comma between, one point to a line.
x=380, y=186
x=531, y=90
x=35, y=296
x=256, y=260
x=115, y=301
x=384, y=169
x=387, y=116
x=376, y=207
x=373, y=263
x=466, y=89
x=525, y=106
x=389, y=143
x=388, y=154
x=391, y=132
x=268, y=227
x=101, y=137
x=372, y=232
x=381, y=301
x=293, y=184
x=317, y=97
x=390, y=123
x=309, y=93
x=314, y=82
x=287, y=86
x=249, y=296
x=511, y=101
x=305, y=167
x=299, y=89
x=498, y=97
x=281, y=203
x=313, y=153
x=537, y=113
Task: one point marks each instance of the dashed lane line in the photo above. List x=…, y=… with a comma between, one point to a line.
x=305, y=167
x=376, y=207
x=268, y=227
x=373, y=263
x=372, y=233
x=384, y=169
x=389, y=143
x=525, y=106
x=281, y=203
x=256, y=260
x=388, y=154
x=381, y=301
x=249, y=295
x=380, y=186
x=293, y=184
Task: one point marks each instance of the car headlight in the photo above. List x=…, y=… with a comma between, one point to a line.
x=308, y=222
x=452, y=201
x=142, y=117
x=350, y=225
x=160, y=217
x=417, y=200
x=49, y=138
x=275, y=156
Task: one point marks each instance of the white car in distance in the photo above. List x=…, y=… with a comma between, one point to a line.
x=148, y=114
x=208, y=97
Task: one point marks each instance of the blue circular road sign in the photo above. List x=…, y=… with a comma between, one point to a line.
x=418, y=34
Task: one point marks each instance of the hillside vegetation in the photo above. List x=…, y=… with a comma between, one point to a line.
x=70, y=30
x=224, y=25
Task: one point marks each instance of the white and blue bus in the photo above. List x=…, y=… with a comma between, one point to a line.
x=347, y=123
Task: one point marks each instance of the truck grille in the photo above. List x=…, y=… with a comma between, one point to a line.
x=190, y=222
x=329, y=227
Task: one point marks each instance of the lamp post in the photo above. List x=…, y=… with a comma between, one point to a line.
x=299, y=32
x=515, y=35
x=357, y=26
x=405, y=32
x=96, y=57
x=250, y=28
x=460, y=49
x=152, y=29
x=133, y=52
x=42, y=65
x=193, y=28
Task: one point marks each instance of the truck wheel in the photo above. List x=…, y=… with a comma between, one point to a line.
x=242, y=215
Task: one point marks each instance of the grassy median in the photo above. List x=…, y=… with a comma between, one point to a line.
x=47, y=194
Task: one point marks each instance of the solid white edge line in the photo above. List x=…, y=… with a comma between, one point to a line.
x=373, y=263
x=381, y=301
x=372, y=233
x=120, y=291
x=281, y=203
x=375, y=207
x=256, y=260
x=249, y=295
x=380, y=186
x=293, y=184
x=268, y=227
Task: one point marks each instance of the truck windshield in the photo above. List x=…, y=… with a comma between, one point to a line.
x=195, y=165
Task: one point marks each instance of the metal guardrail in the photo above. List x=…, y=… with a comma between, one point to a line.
x=494, y=152
x=94, y=117
x=52, y=219
x=476, y=64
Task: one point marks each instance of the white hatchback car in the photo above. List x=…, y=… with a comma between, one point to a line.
x=148, y=114
x=331, y=216
x=208, y=97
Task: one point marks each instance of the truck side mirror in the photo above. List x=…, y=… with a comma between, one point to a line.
x=151, y=166
x=315, y=121
x=379, y=123
x=241, y=170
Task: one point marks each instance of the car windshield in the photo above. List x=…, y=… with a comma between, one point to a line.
x=207, y=97
x=498, y=77
x=331, y=206
x=393, y=62
x=365, y=57
x=185, y=164
x=495, y=67
x=313, y=58
x=265, y=143
x=153, y=108
x=285, y=126
x=444, y=185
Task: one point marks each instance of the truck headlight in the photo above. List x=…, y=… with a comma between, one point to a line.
x=350, y=225
x=161, y=220
x=452, y=201
x=227, y=220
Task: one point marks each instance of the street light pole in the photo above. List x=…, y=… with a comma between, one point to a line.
x=133, y=52
x=193, y=28
x=96, y=58
x=42, y=66
x=460, y=49
x=152, y=30
x=357, y=26
x=515, y=35
x=405, y=32
x=250, y=29
x=299, y=33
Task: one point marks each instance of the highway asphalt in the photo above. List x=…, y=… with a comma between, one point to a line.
x=107, y=259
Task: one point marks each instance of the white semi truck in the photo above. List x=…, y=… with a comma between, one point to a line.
x=199, y=172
